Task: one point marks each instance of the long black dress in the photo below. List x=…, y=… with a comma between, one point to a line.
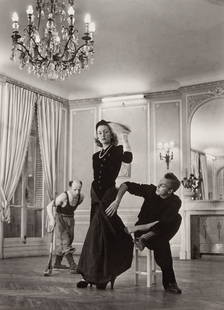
x=107, y=250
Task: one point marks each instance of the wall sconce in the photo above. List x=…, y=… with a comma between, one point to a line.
x=166, y=152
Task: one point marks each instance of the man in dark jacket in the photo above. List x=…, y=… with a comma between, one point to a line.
x=158, y=221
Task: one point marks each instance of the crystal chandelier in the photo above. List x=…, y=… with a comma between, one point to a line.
x=49, y=45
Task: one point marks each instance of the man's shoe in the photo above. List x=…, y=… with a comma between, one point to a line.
x=72, y=264
x=60, y=267
x=139, y=244
x=173, y=288
x=83, y=284
x=73, y=269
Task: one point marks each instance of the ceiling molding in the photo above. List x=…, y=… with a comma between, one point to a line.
x=6, y=79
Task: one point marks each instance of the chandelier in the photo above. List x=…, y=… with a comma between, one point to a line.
x=49, y=45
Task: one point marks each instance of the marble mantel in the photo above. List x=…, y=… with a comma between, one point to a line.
x=196, y=207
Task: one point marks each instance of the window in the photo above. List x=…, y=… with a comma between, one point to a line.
x=27, y=202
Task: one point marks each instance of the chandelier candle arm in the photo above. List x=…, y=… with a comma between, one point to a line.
x=78, y=49
x=51, y=49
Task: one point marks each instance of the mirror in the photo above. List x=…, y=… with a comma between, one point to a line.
x=207, y=149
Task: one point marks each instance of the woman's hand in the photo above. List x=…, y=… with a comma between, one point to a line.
x=125, y=142
x=112, y=208
x=124, y=137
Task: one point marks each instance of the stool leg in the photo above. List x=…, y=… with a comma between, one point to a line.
x=153, y=268
x=149, y=268
x=136, y=267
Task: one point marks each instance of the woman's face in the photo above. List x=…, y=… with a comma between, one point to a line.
x=104, y=134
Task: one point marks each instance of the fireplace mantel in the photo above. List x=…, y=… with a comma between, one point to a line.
x=196, y=207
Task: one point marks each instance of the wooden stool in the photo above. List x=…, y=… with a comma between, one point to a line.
x=150, y=272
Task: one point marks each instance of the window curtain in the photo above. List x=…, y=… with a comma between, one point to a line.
x=200, y=169
x=195, y=163
x=49, y=113
x=16, y=113
x=212, y=180
x=220, y=184
x=204, y=174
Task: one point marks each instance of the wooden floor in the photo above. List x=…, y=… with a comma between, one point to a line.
x=23, y=286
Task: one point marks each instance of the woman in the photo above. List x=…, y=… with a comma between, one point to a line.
x=108, y=249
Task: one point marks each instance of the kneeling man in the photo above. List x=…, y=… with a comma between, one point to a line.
x=158, y=221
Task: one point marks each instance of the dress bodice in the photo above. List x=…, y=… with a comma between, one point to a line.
x=106, y=166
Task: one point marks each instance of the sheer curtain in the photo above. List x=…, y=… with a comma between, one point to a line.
x=49, y=114
x=16, y=113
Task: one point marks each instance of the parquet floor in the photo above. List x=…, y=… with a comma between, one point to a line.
x=23, y=287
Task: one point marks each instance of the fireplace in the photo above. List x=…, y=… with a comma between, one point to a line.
x=207, y=235
x=202, y=230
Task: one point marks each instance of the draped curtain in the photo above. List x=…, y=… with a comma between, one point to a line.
x=204, y=174
x=16, y=114
x=49, y=113
x=195, y=163
x=220, y=184
x=200, y=170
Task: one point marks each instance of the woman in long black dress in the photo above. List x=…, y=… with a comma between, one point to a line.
x=108, y=249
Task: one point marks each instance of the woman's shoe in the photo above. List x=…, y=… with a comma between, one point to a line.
x=112, y=283
x=102, y=286
x=83, y=284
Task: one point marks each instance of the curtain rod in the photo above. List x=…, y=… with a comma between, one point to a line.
x=6, y=79
x=205, y=153
x=197, y=151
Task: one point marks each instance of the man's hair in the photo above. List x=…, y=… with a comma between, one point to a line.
x=174, y=180
x=70, y=182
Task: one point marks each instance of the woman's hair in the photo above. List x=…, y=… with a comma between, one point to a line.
x=174, y=180
x=114, y=139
